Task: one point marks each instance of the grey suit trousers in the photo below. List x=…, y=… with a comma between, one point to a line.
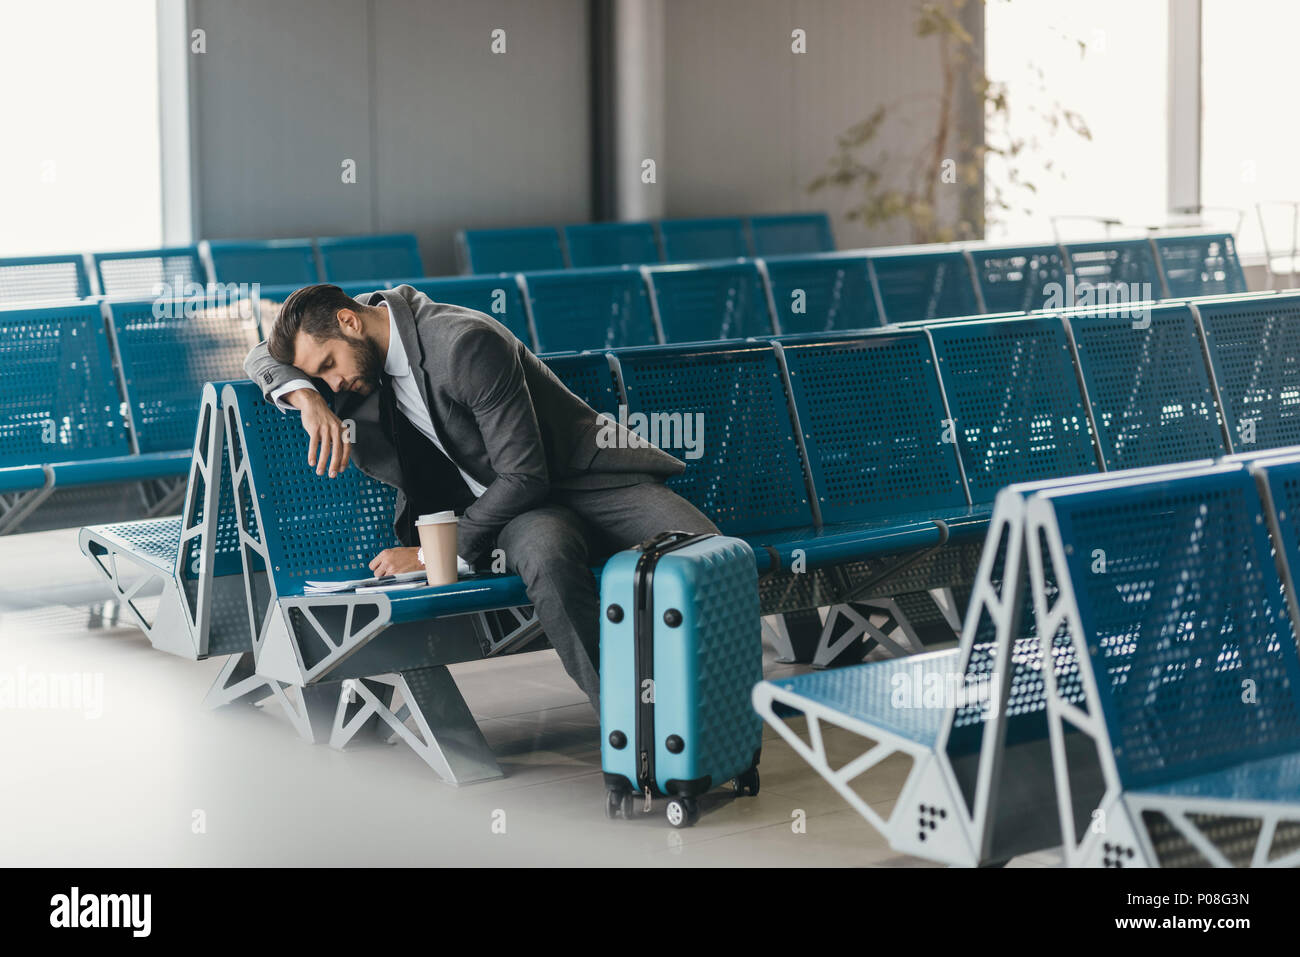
x=553, y=546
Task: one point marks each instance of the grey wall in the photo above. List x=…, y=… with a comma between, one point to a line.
x=749, y=123
x=445, y=133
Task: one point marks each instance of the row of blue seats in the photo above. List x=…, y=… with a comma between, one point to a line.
x=140, y=272
x=616, y=306
x=1127, y=685
x=828, y=450
x=843, y=447
x=105, y=392
x=582, y=245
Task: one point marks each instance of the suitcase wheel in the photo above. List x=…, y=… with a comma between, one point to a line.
x=746, y=783
x=682, y=812
x=617, y=800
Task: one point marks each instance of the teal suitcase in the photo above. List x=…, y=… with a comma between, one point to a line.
x=680, y=652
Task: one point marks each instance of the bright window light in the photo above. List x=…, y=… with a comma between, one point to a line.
x=1118, y=85
x=80, y=167
x=1248, y=141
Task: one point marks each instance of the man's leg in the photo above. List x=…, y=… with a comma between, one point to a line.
x=628, y=515
x=548, y=548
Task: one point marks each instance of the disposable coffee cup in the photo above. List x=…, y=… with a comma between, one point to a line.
x=437, y=532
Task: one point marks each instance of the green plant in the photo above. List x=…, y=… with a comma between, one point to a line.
x=892, y=185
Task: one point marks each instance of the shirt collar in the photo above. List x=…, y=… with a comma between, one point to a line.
x=395, y=363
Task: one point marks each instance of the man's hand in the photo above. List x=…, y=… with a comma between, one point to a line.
x=329, y=445
x=394, y=561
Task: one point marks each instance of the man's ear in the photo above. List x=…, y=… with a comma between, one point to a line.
x=350, y=322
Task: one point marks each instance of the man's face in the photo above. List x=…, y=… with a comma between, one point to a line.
x=350, y=364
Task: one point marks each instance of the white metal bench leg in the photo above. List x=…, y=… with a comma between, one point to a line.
x=445, y=734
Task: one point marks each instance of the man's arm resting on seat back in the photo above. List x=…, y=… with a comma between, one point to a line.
x=493, y=388
x=288, y=386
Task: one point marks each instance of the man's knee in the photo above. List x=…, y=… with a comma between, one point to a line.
x=543, y=540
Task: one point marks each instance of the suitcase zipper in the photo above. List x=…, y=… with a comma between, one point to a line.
x=643, y=633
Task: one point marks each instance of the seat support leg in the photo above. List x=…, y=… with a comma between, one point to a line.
x=438, y=725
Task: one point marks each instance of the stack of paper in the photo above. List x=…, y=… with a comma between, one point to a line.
x=330, y=588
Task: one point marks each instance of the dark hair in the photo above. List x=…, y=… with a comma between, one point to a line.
x=313, y=310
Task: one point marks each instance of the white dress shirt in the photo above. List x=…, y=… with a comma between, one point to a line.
x=409, y=402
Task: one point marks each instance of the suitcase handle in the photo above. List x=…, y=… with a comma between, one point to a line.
x=666, y=540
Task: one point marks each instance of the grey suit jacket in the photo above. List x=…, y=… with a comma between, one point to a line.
x=501, y=414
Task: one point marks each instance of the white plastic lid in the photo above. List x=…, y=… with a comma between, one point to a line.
x=437, y=518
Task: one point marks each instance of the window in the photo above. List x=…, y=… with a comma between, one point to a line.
x=1249, y=142
x=1117, y=84
x=80, y=168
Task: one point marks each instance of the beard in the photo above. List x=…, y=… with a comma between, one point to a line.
x=370, y=363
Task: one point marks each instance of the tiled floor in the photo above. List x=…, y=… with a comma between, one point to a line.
x=154, y=779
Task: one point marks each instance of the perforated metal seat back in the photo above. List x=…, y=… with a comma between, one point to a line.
x=271, y=263
x=791, y=234
x=171, y=272
x=314, y=527
x=872, y=418
x=1254, y=348
x=497, y=296
x=813, y=294
x=1019, y=278
x=33, y=279
x=611, y=244
x=60, y=399
x=714, y=301
x=590, y=378
x=1183, y=617
x=355, y=258
x=167, y=358
x=1127, y=262
x=1283, y=484
x=742, y=464
x=576, y=310
x=1200, y=265
x=1013, y=394
x=694, y=240
x=511, y=250
x=1147, y=382
x=923, y=287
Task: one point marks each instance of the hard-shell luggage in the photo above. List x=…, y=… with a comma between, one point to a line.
x=680, y=652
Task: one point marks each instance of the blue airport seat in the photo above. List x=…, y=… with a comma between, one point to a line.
x=925, y=286
x=1110, y=264
x=888, y=458
x=822, y=293
x=510, y=250
x=602, y=308
x=1253, y=343
x=193, y=558
x=789, y=234
x=497, y=296
x=37, y=279
x=745, y=470
x=696, y=240
x=1147, y=382
x=1019, y=278
x=1014, y=396
x=1190, y=606
x=166, y=359
x=60, y=402
x=611, y=244
x=171, y=272
x=270, y=262
x=356, y=258
x=590, y=377
x=724, y=300
x=1200, y=265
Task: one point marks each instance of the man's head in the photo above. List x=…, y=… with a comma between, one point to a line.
x=330, y=336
